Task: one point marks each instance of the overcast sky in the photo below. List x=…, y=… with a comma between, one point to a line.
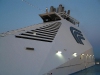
x=15, y=14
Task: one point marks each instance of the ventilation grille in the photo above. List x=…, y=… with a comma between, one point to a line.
x=46, y=33
x=29, y=48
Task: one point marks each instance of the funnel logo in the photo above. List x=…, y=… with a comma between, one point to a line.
x=77, y=35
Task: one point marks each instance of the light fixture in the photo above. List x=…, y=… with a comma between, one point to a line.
x=93, y=56
x=75, y=54
x=82, y=54
x=87, y=55
x=59, y=52
x=97, y=62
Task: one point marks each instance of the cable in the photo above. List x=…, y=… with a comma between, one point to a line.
x=33, y=5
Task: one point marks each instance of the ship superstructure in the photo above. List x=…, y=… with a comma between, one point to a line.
x=55, y=47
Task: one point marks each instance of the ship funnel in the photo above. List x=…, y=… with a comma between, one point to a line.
x=52, y=9
x=57, y=10
x=65, y=11
x=68, y=12
x=60, y=8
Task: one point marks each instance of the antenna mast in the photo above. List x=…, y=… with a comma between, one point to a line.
x=33, y=5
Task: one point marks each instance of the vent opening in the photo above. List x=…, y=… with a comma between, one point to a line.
x=29, y=48
x=46, y=34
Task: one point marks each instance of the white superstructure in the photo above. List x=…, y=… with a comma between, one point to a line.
x=55, y=47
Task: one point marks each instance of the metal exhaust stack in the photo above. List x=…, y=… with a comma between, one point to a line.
x=60, y=8
x=54, y=9
x=68, y=12
x=51, y=9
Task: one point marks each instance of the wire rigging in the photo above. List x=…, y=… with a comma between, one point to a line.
x=33, y=5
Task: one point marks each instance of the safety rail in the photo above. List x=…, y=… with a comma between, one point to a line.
x=68, y=16
x=72, y=65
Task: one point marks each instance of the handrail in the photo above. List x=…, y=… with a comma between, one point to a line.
x=72, y=65
x=67, y=15
x=12, y=32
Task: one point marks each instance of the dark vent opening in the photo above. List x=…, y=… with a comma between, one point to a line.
x=33, y=38
x=37, y=36
x=29, y=48
x=42, y=33
x=51, y=29
x=46, y=34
